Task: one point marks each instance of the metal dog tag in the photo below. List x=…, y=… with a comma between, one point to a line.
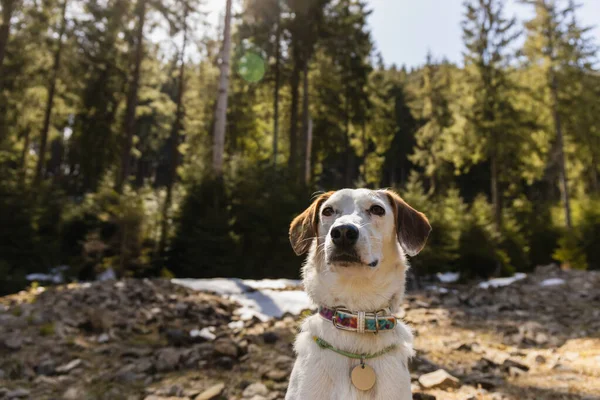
x=363, y=377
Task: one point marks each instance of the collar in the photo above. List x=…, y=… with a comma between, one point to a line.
x=359, y=321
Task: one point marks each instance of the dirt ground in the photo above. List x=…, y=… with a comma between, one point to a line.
x=538, y=338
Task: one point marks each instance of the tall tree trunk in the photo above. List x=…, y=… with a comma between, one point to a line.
x=221, y=109
x=24, y=154
x=364, y=151
x=347, y=147
x=174, y=142
x=8, y=7
x=7, y=11
x=564, y=192
x=295, y=83
x=276, y=89
x=306, y=128
x=39, y=170
x=495, y=191
x=132, y=99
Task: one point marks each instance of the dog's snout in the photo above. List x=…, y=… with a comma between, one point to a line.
x=344, y=235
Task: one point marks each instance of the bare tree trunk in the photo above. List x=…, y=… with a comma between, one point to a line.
x=39, y=170
x=174, y=143
x=564, y=192
x=276, y=90
x=295, y=83
x=132, y=99
x=347, y=147
x=306, y=127
x=24, y=154
x=221, y=109
x=364, y=151
x=8, y=7
x=495, y=191
x=308, y=155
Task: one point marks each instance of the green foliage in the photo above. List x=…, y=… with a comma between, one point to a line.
x=474, y=146
x=221, y=224
x=109, y=231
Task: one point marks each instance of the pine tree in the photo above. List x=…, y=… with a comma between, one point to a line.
x=488, y=36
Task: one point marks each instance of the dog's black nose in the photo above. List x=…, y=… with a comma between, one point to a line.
x=344, y=235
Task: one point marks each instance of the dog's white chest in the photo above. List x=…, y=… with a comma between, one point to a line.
x=322, y=374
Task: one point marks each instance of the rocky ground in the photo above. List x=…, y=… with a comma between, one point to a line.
x=152, y=340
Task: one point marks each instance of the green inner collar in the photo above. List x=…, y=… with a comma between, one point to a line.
x=324, y=345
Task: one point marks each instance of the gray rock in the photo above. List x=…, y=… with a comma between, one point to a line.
x=212, y=392
x=255, y=389
x=226, y=347
x=277, y=375
x=18, y=393
x=439, y=379
x=47, y=367
x=13, y=343
x=167, y=360
x=74, y=393
x=423, y=396
x=70, y=366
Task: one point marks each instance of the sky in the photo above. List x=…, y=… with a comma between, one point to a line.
x=405, y=30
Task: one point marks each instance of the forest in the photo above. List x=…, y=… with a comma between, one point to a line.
x=134, y=137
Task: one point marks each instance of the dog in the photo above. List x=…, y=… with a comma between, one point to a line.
x=353, y=348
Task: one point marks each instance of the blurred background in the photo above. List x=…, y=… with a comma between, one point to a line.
x=180, y=137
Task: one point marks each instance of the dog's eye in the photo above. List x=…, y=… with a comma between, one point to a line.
x=327, y=212
x=377, y=210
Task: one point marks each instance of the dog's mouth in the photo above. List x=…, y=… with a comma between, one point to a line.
x=346, y=259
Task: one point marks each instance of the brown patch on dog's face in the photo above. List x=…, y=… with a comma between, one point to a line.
x=412, y=226
x=305, y=227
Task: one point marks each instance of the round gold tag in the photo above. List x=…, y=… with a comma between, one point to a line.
x=363, y=377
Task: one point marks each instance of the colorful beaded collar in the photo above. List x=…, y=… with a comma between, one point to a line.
x=359, y=321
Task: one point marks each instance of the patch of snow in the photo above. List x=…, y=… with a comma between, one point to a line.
x=437, y=289
x=54, y=276
x=44, y=277
x=448, y=277
x=263, y=299
x=107, y=275
x=205, y=333
x=553, y=282
x=268, y=303
x=236, y=324
x=498, y=282
x=272, y=283
x=235, y=285
x=217, y=285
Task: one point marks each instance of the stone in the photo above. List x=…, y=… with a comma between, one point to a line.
x=18, y=393
x=512, y=363
x=46, y=367
x=167, y=360
x=70, y=366
x=254, y=389
x=212, y=392
x=439, y=379
x=270, y=337
x=103, y=338
x=73, y=393
x=13, y=343
x=225, y=362
x=423, y=396
x=277, y=375
x=226, y=347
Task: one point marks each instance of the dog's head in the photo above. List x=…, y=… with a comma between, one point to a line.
x=358, y=233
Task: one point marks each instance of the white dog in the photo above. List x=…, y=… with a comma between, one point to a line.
x=354, y=348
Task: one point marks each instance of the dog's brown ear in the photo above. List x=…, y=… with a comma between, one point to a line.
x=304, y=227
x=412, y=226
